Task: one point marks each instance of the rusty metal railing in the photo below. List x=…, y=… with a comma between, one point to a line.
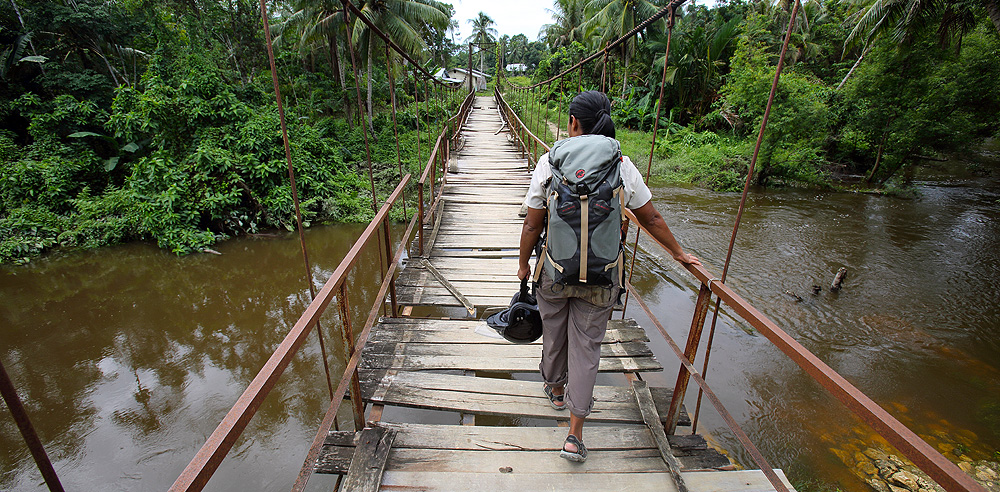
x=925, y=457
x=207, y=460
x=196, y=475
x=529, y=143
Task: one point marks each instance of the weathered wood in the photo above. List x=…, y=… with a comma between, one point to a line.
x=447, y=481
x=691, y=450
x=365, y=472
x=744, y=481
x=838, y=279
x=503, y=397
x=652, y=420
x=493, y=364
x=448, y=285
x=499, y=350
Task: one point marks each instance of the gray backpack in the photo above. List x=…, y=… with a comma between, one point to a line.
x=583, y=238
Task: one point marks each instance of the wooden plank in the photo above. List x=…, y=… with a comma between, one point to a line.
x=536, y=462
x=450, y=301
x=488, y=438
x=469, y=336
x=734, y=481
x=493, y=364
x=648, y=409
x=504, y=350
x=447, y=481
x=503, y=397
x=365, y=472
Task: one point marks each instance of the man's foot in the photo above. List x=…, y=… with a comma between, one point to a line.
x=556, y=400
x=573, y=450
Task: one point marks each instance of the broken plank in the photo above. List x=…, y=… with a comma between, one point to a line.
x=652, y=420
x=365, y=472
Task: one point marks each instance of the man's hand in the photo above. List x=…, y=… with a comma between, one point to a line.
x=523, y=272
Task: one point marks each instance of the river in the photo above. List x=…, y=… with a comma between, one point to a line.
x=127, y=357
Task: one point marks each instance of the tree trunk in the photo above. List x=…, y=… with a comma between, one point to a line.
x=993, y=11
x=878, y=158
x=854, y=67
x=370, y=127
x=338, y=69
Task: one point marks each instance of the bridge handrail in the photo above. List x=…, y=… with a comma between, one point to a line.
x=519, y=129
x=207, y=460
x=923, y=455
x=442, y=148
x=201, y=468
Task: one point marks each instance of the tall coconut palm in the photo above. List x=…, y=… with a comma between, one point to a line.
x=402, y=21
x=482, y=32
x=610, y=19
x=568, y=18
x=317, y=25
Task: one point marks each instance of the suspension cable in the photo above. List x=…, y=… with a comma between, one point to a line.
x=395, y=130
x=652, y=149
x=365, y=116
x=295, y=192
x=743, y=200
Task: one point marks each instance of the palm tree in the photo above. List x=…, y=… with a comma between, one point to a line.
x=900, y=19
x=483, y=32
x=610, y=19
x=402, y=21
x=317, y=25
x=568, y=17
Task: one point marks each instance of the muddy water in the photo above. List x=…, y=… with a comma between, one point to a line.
x=128, y=357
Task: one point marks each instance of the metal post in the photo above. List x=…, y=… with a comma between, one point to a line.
x=28, y=431
x=388, y=254
x=690, y=350
x=420, y=221
x=348, y=334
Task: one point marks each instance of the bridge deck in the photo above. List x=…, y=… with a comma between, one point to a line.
x=460, y=366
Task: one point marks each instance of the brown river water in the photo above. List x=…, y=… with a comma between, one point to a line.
x=128, y=357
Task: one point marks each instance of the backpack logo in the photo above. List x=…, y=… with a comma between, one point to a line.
x=580, y=173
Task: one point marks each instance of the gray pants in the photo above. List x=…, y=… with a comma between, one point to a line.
x=574, y=320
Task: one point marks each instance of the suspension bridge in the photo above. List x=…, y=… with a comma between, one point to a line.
x=458, y=254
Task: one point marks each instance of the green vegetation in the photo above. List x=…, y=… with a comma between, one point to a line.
x=867, y=91
x=156, y=120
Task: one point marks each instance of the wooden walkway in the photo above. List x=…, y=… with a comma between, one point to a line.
x=455, y=366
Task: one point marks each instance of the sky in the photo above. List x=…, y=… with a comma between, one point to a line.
x=511, y=16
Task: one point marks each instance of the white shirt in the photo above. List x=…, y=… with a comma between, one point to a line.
x=635, y=190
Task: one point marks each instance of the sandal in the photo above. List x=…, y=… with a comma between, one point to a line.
x=553, y=398
x=581, y=451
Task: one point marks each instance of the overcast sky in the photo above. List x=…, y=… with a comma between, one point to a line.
x=511, y=16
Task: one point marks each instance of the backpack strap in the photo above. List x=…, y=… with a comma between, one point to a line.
x=584, y=236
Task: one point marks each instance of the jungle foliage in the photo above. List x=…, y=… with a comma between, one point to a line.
x=921, y=89
x=157, y=121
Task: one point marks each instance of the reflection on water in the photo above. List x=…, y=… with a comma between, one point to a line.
x=128, y=357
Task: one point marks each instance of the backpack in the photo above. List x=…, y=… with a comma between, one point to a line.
x=582, y=244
